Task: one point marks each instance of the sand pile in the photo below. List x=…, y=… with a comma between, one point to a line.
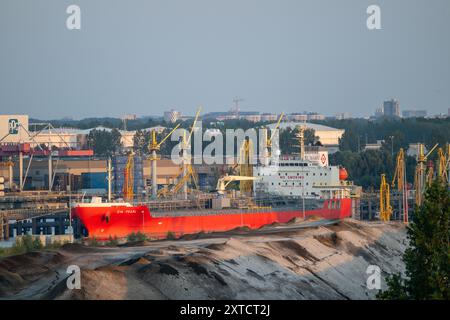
x=326, y=262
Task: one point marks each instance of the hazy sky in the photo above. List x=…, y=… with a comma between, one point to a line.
x=148, y=56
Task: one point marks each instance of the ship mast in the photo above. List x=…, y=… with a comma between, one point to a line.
x=301, y=139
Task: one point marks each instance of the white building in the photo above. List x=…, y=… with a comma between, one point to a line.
x=172, y=116
x=328, y=136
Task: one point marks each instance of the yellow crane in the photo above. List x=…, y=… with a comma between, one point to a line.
x=223, y=182
x=385, y=200
x=443, y=164
x=154, y=147
x=188, y=171
x=128, y=179
x=399, y=179
x=399, y=174
x=181, y=180
x=246, y=166
x=420, y=175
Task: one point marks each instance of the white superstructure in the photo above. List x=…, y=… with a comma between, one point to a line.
x=292, y=176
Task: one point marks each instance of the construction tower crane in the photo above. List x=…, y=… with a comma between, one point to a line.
x=420, y=176
x=399, y=179
x=385, y=200
x=154, y=147
x=128, y=179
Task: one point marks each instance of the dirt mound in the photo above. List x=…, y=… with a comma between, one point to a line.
x=78, y=248
x=139, y=243
x=21, y=270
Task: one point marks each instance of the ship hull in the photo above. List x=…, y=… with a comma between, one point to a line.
x=103, y=222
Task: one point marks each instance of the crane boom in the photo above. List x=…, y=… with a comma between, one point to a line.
x=269, y=141
x=168, y=135
x=223, y=182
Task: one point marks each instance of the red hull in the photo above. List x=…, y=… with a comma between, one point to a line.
x=120, y=220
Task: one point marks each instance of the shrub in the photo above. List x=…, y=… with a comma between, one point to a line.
x=138, y=236
x=171, y=236
x=112, y=242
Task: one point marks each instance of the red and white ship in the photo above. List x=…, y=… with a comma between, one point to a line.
x=290, y=188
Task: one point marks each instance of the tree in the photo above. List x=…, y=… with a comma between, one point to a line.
x=103, y=142
x=427, y=259
x=141, y=142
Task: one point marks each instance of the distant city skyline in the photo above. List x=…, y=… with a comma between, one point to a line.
x=147, y=57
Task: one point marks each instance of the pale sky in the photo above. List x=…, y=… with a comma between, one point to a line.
x=147, y=56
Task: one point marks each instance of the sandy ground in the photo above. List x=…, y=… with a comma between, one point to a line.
x=302, y=260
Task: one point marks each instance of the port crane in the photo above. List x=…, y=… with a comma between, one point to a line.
x=191, y=174
x=128, y=179
x=269, y=140
x=223, y=182
x=188, y=171
x=246, y=166
x=420, y=174
x=154, y=147
x=385, y=201
x=443, y=164
x=399, y=180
